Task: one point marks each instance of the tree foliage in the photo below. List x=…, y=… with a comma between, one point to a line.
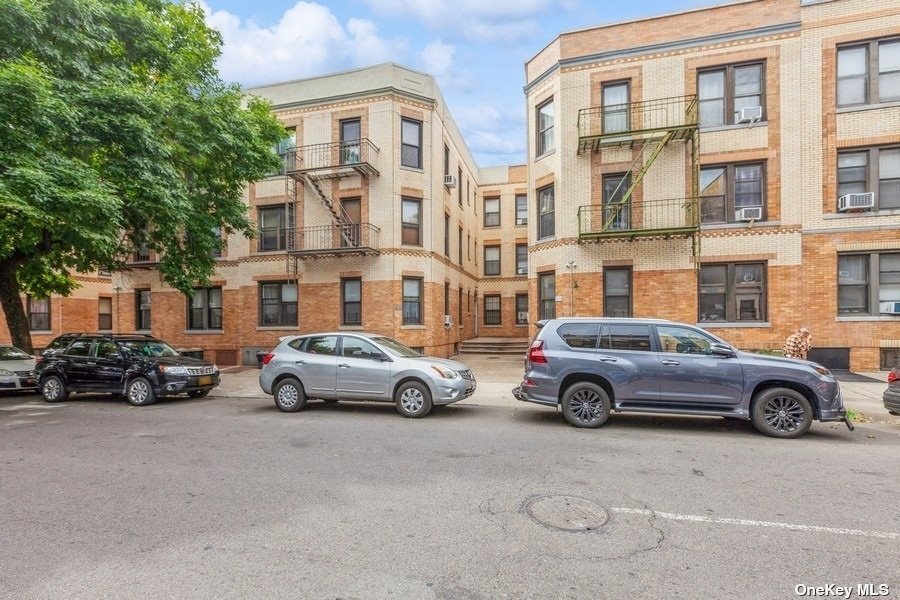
x=117, y=132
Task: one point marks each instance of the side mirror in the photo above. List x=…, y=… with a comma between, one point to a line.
x=723, y=350
x=384, y=358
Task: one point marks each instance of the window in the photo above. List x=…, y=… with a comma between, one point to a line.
x=411, y=143
x=446, y=299
x=871, y=170
x=733, y=292
x=491, y=212
x=615, y=106
x=547, y=291
x=683, y=340
x=351, y=301
x=277, y=304
x=469, y=245
x=104, y=314
x=616, y=214
x=521, y=259
x=521, y=309
x=617, y=292
x=492, y=310
x=142, y=310
x=545, y=127
x=412, y=222
x=446, y=235
x=143, y=253
x=350, y=135
x=39, y=314
x=723, y=92
x=351, y=209
x=725, y=190
x=546, y=209
x=459, y=246
x=205, y=308
x=580, y=335
x=106, y=349
x=274, y=222
x=459, y=307
x=352, y=347
x=866, y=280
x=412, y=301
x=868, y=73
x=521, y=209
x=216, y=252
x=80, y=347
x=447, y=162
x=326, y=345
x=492, y=260
x=468, y=197
x=626, y=337
x=459, y=186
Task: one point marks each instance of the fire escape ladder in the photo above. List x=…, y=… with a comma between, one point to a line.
x=341, y=219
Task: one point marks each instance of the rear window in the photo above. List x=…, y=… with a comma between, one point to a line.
x=298, y=343
x=80, y=347
x=325, y=345
x=580, y=335
x=628, y=337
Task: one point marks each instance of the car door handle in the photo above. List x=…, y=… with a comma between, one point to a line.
x=299, y=362
x=344, y=366
x=90, y=363
x=607, y=359
x=670, y=363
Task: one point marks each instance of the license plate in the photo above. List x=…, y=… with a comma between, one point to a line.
x=206, y=380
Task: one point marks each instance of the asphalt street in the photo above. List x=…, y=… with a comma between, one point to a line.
x=229, y=498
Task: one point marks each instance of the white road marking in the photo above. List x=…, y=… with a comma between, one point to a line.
x=750, y=523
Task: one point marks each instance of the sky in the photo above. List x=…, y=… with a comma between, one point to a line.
x=475, y=48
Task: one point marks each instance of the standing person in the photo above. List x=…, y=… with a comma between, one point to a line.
x=798, y=344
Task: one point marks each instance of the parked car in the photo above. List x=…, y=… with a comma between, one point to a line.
x=16, y=369
x=361, y=366
x=590, y=367
x=891, y=396
x=140, y=367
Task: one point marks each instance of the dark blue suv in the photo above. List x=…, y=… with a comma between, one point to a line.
x=591, y=366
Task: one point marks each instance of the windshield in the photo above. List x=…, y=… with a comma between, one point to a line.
x=151, y=348
x=11, y=353
x=396, y=348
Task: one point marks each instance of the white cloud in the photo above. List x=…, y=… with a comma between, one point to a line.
x=307, y=40
x=494, y=135
x=438, y=58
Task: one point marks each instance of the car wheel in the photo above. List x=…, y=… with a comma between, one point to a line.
x=585, y=404
x=139, y=392
x=198, y=394
x=413, y=400
x=289, y=395
x=53, y=389
x=896, y=413
x=781, y=413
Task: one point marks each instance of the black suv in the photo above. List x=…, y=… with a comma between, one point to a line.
x=140, y=367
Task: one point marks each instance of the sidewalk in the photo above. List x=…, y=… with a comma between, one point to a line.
x=497, y=375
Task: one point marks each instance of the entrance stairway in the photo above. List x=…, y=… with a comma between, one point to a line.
x=493, y=345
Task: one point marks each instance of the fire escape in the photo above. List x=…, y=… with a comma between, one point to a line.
x=646, y=129
x=313, y=168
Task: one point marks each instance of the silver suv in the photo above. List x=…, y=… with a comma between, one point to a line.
x=591, y=366
x=361, y=366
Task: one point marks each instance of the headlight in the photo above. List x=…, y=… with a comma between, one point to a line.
x=445, y=372
x=173, y=370
x=5, y=373
x=215, y=368
x=822, y=370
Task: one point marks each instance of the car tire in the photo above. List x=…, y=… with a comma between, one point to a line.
x=289, y=395
x=53, y=389
x=585, y=404
x=198, y=394
x=781, y=413
x=413, y=400
x=896, y=413
x=139, y=392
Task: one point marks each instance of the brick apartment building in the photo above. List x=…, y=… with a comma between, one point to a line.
x=736, y=167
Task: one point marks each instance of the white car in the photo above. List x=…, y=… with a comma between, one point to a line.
x=16, y=369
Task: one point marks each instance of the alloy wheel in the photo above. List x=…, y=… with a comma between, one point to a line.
x=784, y=414
x=587, y=406
x=51, y=389
x=138, y=392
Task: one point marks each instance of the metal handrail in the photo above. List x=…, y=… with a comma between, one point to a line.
x=330, y=155
x=635, y=218
x=334, y=237
x=677, y=112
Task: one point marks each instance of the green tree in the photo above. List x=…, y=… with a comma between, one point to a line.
x=117, y=133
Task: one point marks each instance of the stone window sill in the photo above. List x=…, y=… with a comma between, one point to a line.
x=864, y=107
x=867, y=319
x=733, y=127
x=350, y=328
x=277, y=328
x=863, y=214
x=204, y=332
x=738, y=225
x=413, y=327
x=734, y=325
x=545, y=155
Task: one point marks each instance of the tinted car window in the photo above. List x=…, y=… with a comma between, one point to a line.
x=12, y=353
x=59, y=343
x=298, y=343
x=81, y=347
x=105, y=347
x=628, y=337
x=150, y=347
x=683, y=340
x=325, y=345
x=580, y=335
x=357, y=348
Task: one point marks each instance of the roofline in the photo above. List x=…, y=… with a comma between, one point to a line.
x=336, y=74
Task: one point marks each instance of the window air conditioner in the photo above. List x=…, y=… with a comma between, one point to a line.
x=522, y=317
x=856, y=201
x=447, y=321
x=450, y=180
x=751, y=114
x=522, y=221
x=522, y=271
x=889, y=308
x=748, y=214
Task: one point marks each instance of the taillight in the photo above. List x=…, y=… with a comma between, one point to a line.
x=892, y=376
x=267, y=358
x=536, y=352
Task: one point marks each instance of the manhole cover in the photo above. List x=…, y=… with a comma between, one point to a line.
x=567, y=513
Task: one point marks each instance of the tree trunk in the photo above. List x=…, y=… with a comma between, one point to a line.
x=11, y=301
